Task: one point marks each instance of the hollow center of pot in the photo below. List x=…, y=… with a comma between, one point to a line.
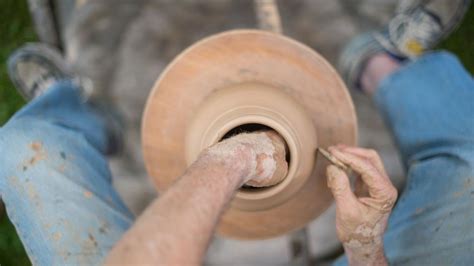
x=249, y=128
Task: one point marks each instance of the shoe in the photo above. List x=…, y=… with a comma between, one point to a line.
x=417, y=26
x=34, y=67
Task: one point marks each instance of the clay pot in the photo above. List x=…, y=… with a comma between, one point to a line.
x=249, y=80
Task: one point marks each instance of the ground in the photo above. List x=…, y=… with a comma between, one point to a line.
x=125, y=48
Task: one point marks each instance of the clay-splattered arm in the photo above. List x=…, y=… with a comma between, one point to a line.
x=176, y=228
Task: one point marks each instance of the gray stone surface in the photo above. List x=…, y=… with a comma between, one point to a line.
x=124, y=45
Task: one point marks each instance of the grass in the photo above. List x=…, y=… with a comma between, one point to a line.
x=461, y=42
x=16, y=29
x=11, y=249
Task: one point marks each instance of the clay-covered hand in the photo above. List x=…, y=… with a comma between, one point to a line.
x=362, y=214
x=259, y=155
x=271, y=167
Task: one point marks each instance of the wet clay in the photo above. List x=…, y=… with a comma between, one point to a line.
x=251, y=77
x=266, y=147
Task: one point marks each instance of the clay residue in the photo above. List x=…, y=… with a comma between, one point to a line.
x=365, y=235
x=38, y=155
x=467, y=185
x=32, y=194
x=387, y=206
x=87, y=194
x=260, y=147
x=57, y=236
x=36, y=146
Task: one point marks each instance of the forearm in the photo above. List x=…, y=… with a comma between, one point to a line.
x=366, y=257
x=177, y=228
x=365, y=246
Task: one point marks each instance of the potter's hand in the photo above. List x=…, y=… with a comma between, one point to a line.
x=271, y=162
x=184, y=218
x=259, y=156
x=362, y=215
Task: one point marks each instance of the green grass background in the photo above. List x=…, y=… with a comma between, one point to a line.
x=16, y=29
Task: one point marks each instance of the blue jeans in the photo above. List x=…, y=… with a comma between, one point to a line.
x=429, y=106
x=58, y=193
x=56, y=183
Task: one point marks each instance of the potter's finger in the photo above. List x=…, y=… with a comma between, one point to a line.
x=369, y=154
x=338, y=182
x=376, y=181
x=360, y=188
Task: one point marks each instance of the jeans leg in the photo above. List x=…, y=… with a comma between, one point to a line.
x=55, y=181
x=429, y=105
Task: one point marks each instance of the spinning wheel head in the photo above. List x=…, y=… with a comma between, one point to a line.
x=248, y=80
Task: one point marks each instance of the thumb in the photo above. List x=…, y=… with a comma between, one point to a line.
x=338, y=182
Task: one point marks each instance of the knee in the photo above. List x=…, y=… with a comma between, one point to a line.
x=442, y=58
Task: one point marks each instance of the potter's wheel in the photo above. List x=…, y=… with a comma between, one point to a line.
x=247, y=80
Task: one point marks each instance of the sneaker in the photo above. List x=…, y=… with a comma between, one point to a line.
x=417, y=26
x=33, y=68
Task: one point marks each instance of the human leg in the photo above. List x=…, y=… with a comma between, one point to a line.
x=55, y=181
x=428, y=105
